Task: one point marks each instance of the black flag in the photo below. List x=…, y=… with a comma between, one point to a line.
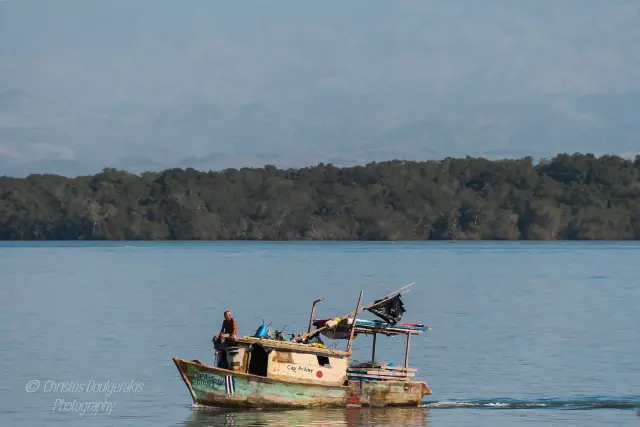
x=391, y=310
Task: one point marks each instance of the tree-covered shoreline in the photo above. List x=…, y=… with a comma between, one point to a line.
x=570, y=197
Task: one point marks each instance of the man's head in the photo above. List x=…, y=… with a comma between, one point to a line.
x=227, y=315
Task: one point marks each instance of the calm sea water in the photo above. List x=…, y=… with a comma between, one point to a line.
x=523, y=333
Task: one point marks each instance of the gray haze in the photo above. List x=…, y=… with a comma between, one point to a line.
x=145, y=85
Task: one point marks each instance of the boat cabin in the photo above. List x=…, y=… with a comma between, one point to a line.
x=307, y=363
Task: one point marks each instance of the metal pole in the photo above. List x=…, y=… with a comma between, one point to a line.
x=406, y=354
x=353, y=328
x=373, y=352
x=313, y=310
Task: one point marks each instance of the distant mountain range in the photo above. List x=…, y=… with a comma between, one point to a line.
x=598, y=123
x=139, y=88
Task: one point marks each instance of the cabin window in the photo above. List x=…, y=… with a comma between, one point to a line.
x=258, y=361
x=284, y=357
x=323, y=361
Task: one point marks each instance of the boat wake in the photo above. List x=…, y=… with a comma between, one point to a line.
x=505, y=403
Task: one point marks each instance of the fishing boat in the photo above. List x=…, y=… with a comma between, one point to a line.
x=268, y=370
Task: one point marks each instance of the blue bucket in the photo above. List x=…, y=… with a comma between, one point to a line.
x=262, y=331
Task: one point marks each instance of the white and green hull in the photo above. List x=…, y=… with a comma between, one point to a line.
x=218, y=387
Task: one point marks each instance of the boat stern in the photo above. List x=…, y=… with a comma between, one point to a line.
x=387, y=393
x=426, y=389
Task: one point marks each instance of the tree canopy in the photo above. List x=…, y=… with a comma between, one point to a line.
x=573, y=197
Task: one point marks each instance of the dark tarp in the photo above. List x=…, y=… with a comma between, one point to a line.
x=391, y=310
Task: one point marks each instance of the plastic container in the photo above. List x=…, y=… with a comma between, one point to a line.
x=262, y=331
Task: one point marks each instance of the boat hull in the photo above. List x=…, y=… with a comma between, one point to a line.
x=212, y=386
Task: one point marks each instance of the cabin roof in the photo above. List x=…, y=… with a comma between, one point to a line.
x=289, y=346
x=373, y=326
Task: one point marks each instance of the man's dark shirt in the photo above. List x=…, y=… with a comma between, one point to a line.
x=230, y=327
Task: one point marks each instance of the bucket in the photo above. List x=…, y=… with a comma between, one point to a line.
x=262, y=331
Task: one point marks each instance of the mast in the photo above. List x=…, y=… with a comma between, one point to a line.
x=313, y=310
x=353, y=327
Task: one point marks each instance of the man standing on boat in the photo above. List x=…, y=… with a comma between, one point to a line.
x=229, y=328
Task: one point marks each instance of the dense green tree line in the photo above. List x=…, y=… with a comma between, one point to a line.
x=568, y=197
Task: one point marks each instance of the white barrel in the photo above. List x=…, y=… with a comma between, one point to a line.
x=235, y=356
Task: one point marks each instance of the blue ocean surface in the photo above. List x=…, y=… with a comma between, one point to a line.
x=522, y=333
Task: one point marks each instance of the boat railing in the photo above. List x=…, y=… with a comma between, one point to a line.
x=373, y=371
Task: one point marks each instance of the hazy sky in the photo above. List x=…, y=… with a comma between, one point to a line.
x=211, y=84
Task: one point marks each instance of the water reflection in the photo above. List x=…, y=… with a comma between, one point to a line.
x=350, y=417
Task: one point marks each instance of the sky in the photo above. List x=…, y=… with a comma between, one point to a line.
x=149, y=85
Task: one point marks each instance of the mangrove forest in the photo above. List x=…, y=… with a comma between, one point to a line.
x=572, y=197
